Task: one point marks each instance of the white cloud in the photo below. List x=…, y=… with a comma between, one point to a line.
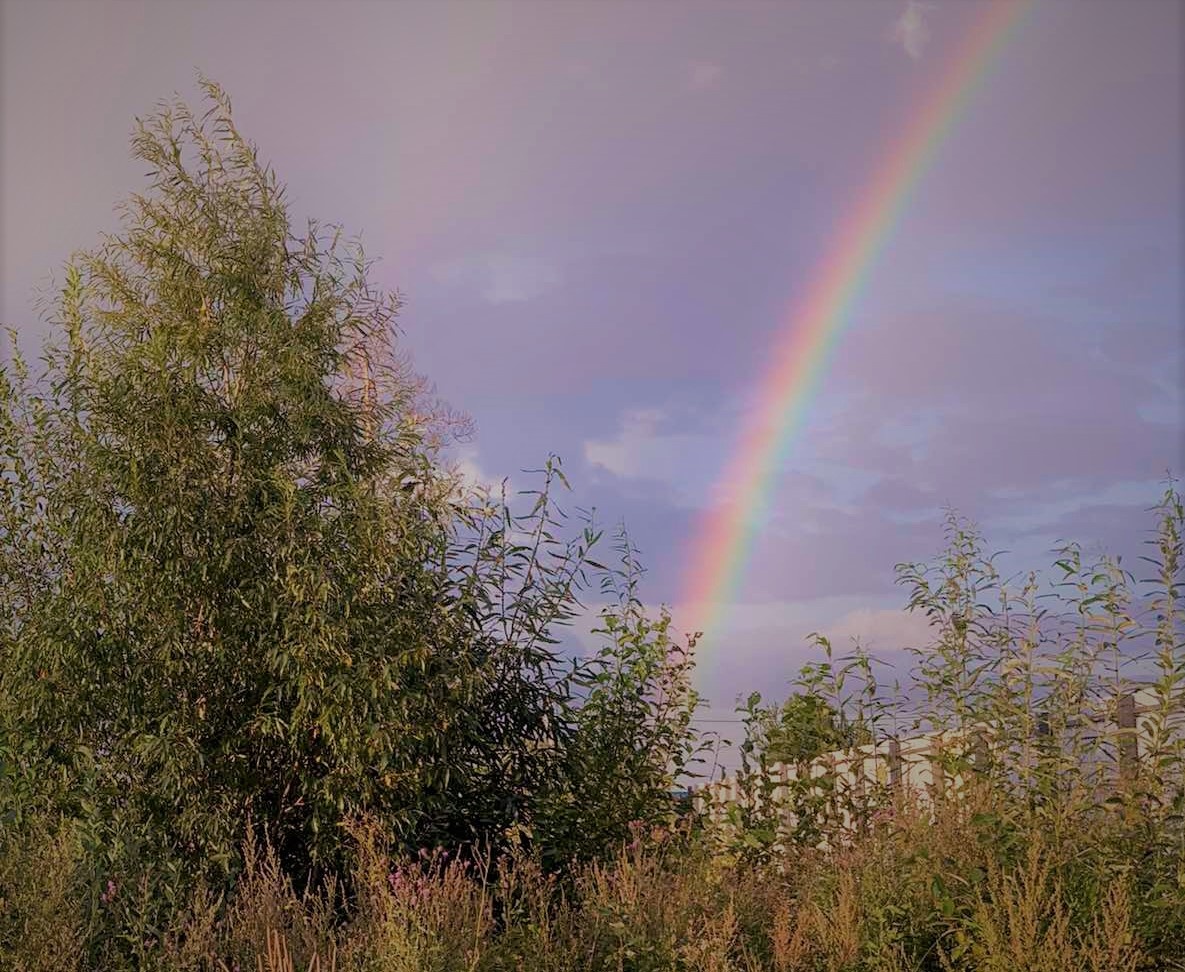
x=911, y=30
x=762, y=646
x=1034, y=510
x=704, y=75
x=629, y=454
x=696, y=463
x=782, y=626
x=474, y=480
x=644, y=448
x=512, y=279
x=501, y=278
x=469, y=470
x=881, y=630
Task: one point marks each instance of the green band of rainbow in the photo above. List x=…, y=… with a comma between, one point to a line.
x=814, y=326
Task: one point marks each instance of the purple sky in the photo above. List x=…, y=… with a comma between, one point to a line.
x=599, y=212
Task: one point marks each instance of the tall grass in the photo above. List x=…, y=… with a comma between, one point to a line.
x=1056, y=850
x=945, y=892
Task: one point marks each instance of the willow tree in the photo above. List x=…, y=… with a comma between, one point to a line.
x=237, y=584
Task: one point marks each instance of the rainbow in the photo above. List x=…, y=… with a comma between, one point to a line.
x=813, y=328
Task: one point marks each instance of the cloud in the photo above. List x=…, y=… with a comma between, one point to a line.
x=911, y=30
x=501, y=278
x=513, y=279
x=467, y=467
x=645, y=447
x=1012, y=418
x=628, y=453
x=1017, y=513
x=704, y=75
x=474, y=480
x=837, y=616
x=762, y=645
x=766, y=646
x=881, y=630
x=962, y=397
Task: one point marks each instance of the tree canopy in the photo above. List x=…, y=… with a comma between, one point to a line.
x=239, y=584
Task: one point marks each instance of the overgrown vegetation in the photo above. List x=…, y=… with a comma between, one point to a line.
x=278, y=691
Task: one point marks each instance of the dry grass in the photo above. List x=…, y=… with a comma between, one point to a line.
x=920, y=895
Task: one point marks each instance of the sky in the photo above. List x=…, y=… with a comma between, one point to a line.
x=600, y=215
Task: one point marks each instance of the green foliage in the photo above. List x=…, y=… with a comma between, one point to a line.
x=783, y=799
x=632, y=733
x=242, y=594
x=234, y=610
x=801, y=729
x=1036, y=673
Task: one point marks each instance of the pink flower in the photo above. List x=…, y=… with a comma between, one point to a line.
x=109, y=895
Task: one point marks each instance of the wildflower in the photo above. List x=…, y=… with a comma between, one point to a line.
x=109, y=894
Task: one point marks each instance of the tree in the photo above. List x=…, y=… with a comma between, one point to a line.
x=237, y=584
